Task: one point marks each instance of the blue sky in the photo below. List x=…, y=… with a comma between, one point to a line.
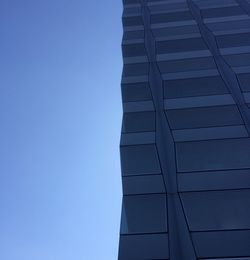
x=60, y=112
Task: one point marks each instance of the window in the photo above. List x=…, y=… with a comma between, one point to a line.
x=244, y=80
x=204, y=117
x=135, y=69
x=213, y=155
x=132, y=35
x=173, y=7
x=131, y=21
x=143, y=184
x=217, y=210
x=233, y=25
x=238, y=60
x=151, y=246
x=140, y=159
x=172, y=31
x=220, y=12
x=139, y=122
x=191, y=44
x=221, y=244
x=171, y=17
x=187, y=65
x=133, y=50
x=136, y=92
x=144, y=214
x=233, y=40
x=194, y=87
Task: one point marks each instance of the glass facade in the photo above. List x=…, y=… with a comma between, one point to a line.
x=185, y=141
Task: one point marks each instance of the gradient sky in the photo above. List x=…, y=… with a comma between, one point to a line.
x=60, y=114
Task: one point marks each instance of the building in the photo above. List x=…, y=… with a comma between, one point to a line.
x=185, y=145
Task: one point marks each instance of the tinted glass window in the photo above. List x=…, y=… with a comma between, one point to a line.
x=131, y=1
x=143, y=184
x=176, y=30
x=168, y=7
x=221, y=244
x=238, y=60
x=217, y=210
x=136, y=92
x=144, y=214
x=234, y=40
x=133, y=50
x=151, y=246
x=141, y=159
x=213, y=155
x=191, y=44
x=139, y=122
x=244, y=80
x=225, y=11
x=225, y=26
x=171, y=17
x=186, y=65
x=135, y=69
x=130, y=21
x=204, y=117
x=194, y=87
x=131, y=35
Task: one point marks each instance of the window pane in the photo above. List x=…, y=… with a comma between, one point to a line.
x=221, y=244
x=233, y=40
x=213, y=155
x=186, y=65
x=139, y=122
x=194, y=87
x=217, y=210
x=171, y=17
x=244, y=80
x=144, y=214
x=136, y=92
x=152, y=246
x=141, y=159
x=135, y=69
x=143, y=184
x=204, y=117
x=180, y=45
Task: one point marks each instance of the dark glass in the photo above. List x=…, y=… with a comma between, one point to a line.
x=217, y=210
x=221, y=244
x=132, y=21
x=238, y=60
x=132, y=35
x=148, y=246
x=139, y=122
x=244, y=80
x=224, y=11
x=140, y=212
x=226, y=26
x=186, y=65
x=233, y=40
x=194, y=87
x=192, y=44
x=136, y=92
x=213, y=155
x=129, y=50
x=143, y=184
x=140, y=159
x=135, y=69
x=173, y=31
x=171, y=17
x=204, y=117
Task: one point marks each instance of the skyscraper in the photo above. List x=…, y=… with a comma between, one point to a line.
x=185, y=144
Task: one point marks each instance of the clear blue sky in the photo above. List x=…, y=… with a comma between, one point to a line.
x=60, y=114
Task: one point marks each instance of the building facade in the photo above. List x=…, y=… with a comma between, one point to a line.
x=185, y=143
